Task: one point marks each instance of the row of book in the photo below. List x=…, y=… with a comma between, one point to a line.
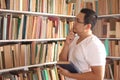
x=16, y=55
x=112, y=47
x=107, y=28
x=108, y=7
x=44, y=73
x=62, y=6
x=68, y=7
x=33, y=27
x=102, y=7
x=112, y=70
x=45, y=6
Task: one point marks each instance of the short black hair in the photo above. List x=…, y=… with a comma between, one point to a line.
x=90, y=16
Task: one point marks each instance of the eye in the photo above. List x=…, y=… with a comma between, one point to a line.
x=78, y=21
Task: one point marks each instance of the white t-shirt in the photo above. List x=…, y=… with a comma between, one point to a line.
x=89, y=52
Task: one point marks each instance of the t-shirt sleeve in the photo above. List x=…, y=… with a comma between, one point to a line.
x=96, y=54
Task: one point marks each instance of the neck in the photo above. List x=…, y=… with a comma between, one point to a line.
x=82, y=36
x=85, y=34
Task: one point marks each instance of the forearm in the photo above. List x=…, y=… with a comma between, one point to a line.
x=64, y=53
x=86, y=76
x=96, y=73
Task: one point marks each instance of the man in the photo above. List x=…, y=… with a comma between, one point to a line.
x=85, y=50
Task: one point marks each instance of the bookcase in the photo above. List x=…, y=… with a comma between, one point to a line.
x=107, y=29
x=32, y=33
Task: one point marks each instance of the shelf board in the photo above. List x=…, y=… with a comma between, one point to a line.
x=35, y=13
x=113, y=58
x=109, y=15
x=44, y=40
x=51, y=14
x=26, y=67
x=31, y=40
x=109, y=38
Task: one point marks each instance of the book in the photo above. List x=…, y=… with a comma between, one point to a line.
x=8, y=56
x=68, y=66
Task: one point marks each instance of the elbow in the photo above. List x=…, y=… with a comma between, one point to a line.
x=98, y=77
x=62, y=58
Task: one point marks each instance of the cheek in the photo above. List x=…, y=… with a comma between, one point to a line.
x=79, y=29
x=75, y=28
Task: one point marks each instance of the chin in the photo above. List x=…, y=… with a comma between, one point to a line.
x=74, y=31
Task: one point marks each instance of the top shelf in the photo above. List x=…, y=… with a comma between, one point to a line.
x=35, y=13
x=51, y=14
x=109, y=15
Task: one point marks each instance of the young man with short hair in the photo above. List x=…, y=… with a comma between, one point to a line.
x=85, y=50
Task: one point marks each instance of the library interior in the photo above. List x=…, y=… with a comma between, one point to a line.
x=33, y=34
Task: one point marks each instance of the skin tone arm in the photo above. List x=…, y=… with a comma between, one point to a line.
x=97, y=73
x=64, y=53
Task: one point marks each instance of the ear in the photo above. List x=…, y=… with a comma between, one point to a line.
x=88, y=26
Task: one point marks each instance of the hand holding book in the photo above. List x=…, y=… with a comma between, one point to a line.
x=68, y=66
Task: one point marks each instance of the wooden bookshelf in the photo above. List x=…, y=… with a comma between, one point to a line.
x=103, y=11
x=107, y=29
x=27, y=53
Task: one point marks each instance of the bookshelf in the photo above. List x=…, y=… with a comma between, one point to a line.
x=30, y=42
x=107, y=29
x=58, y=16
x=33, y=48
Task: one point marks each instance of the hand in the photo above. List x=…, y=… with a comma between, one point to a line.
x=63, y=71
x=70, y=37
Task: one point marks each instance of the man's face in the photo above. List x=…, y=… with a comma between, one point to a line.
x=79, y=26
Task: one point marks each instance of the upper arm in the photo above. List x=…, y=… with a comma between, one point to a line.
x=95, y=54
x=98, y=71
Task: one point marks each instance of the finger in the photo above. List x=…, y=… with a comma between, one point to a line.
x=71, y=30
x=71, y=33
x=59, y=69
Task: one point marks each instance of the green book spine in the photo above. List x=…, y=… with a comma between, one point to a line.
x=46, y=74
x=106, y=43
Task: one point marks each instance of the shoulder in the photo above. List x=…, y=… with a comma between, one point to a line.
x=95, y=46
x=94, y=41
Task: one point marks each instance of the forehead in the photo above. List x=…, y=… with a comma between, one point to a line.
x=80, y=16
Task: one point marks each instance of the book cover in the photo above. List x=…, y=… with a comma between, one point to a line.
x=69, y=66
